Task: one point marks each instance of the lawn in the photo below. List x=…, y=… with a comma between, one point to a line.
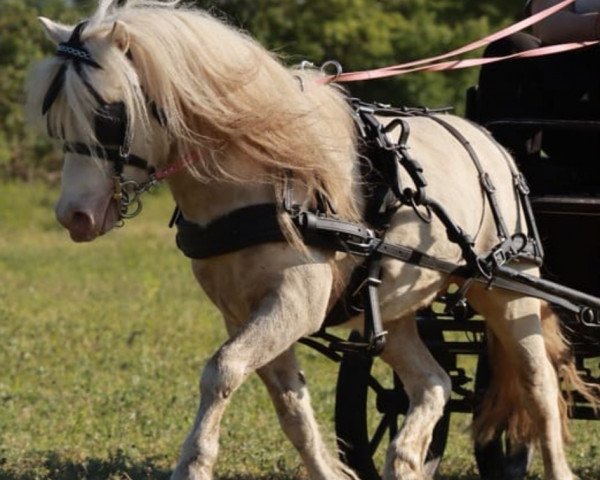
x=101, y=348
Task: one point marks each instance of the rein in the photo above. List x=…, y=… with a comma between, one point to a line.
x=447, y=61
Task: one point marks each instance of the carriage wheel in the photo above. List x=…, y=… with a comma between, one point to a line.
x=367, y=411
x=498, y=459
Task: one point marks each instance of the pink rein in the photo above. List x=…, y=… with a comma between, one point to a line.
x=441, y=62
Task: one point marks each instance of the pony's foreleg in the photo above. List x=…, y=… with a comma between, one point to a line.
x=428, y=388
x=287, y=387
x=516, y=323
x=294, y=308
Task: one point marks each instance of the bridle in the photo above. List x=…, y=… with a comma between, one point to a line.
x=110, y=128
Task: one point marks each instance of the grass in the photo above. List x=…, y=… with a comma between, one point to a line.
x=102, y=347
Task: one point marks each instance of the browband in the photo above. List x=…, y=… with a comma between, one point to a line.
x=73, y=49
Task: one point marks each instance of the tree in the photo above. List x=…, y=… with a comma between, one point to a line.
x=360, y=34
x=23, y=153
x=364, y=34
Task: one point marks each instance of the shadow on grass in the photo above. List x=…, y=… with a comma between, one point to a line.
x=53, y=466
x=118, y=466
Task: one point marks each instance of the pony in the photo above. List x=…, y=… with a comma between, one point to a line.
x=235, y=126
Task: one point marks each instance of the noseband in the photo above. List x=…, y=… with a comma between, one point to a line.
x=110, y=129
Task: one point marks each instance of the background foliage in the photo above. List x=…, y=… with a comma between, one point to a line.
x=360, y=34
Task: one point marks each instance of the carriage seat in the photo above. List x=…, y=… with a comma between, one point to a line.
x=546, y=111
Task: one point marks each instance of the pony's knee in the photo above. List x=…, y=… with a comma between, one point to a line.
x=434, y=391
x=437, y=392
x=445, y=384
x=222, y=375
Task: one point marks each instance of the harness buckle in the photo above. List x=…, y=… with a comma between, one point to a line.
x=124, y=153
x=118, y=189
x=486, y=181
x=362, y=246
x=499, y=257
x=521, y=183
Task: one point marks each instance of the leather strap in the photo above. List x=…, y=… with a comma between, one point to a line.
x=114, y=155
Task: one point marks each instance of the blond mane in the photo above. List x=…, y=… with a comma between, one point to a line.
x=223, y=96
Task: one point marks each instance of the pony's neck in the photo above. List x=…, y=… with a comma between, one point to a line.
x=202, y=202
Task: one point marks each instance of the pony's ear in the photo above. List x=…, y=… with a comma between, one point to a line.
x=56, y=32
x=120, y=36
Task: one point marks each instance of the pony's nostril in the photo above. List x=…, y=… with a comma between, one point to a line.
x=81, y=221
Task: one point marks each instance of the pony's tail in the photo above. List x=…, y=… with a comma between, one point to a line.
x=503, y=402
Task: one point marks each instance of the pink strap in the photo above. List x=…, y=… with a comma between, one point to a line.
x=175, y=167
x=459, y=64
x=403, y=68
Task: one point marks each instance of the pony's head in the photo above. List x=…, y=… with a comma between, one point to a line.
x=139, y=86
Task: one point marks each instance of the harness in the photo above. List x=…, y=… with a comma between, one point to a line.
x=385, y=194
x=319, y=227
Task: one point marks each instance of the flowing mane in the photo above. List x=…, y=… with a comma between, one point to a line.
x=223, y=96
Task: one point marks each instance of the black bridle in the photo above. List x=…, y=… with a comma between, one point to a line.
x=110, y=127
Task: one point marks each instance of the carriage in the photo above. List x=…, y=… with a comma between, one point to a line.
x=262, y=162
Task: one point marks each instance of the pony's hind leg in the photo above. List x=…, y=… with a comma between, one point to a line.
x=294, y=308
x=428, y=388
x=287, y=387
x=524, y=384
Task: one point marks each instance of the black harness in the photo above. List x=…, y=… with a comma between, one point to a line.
x=384, y=193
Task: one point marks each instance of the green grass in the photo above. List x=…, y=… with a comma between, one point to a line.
x=101, y=349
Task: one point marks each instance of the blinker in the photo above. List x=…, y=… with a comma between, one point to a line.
x=110, y=124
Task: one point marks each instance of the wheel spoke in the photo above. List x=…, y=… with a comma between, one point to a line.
x=393, y=426
x=375, y=385
x=379, y=433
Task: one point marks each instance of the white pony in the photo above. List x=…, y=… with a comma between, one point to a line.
x=247, y=125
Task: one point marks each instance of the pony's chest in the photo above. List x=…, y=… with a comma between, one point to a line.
x=237, y=282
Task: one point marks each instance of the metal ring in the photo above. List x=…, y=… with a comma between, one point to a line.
x=305, y=64
x=426, y=217
x=338, y=69
x=127, y=213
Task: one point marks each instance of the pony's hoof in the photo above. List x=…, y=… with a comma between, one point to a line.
x=191, y=472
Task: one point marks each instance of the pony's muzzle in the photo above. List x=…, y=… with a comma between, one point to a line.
x=80, y=224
